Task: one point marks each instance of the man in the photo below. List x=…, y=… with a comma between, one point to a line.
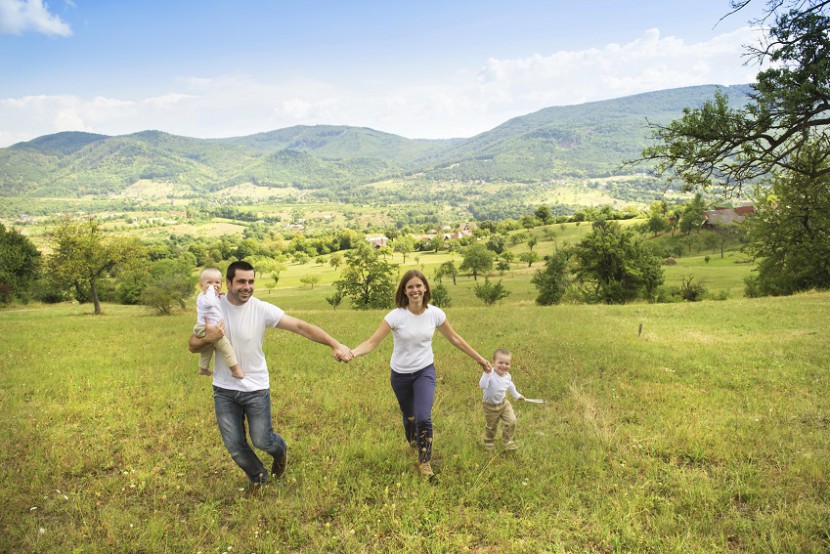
x=235, y=400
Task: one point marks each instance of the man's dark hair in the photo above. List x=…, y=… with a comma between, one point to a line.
x=240, y=265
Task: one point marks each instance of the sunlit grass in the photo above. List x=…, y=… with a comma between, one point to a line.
x=685, y=427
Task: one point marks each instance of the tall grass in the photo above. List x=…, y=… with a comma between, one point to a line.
x=704, y=430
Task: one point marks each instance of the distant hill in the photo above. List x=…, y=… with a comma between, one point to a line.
x=589, y=140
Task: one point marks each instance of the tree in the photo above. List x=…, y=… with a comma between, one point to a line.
x=490, y=293
x=529, y=257
x=477, y=259
x=657, y=223
x=403, y=245
x=441, y=296
x=336, y=260
x=170, y=283
x=436, y=243
x=532, y=242
x=615, y=265
x=496, y=243
x=543, y=214
x=367, y=279
x=310, y=280
x=786, y=111
x=82, y=256
x=19, y=264
x=553, y=281
x=790, y=230
x=446, y=269
x=335, y=299
x=692, y=217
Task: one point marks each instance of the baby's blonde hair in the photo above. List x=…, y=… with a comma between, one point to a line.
x=206, y=271
x=502, y=352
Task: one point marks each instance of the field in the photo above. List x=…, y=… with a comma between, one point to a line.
x=668, y=428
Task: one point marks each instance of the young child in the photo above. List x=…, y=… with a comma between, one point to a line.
x=496, y=406
x=207, y=308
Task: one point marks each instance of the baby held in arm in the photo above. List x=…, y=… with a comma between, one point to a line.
x=208, y=310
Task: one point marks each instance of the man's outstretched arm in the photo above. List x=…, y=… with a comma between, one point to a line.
x=316, y=334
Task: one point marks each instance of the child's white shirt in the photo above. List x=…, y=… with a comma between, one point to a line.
x=208, y=307
x=495, y=386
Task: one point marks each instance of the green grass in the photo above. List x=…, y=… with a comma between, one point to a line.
x=704, y=430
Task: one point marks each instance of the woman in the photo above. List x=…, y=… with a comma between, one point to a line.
x=413, y=324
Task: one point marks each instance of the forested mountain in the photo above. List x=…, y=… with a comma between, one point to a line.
x=583, y=140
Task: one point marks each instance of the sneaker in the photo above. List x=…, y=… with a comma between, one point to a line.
x=426, y=470
x=510, y=445
x=255, y=487
x=278, y=467
x=489, y=445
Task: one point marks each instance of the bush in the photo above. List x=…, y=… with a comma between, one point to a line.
x=441, y=296
x=692, y=291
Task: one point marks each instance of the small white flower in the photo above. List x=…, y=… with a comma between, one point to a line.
x=41, y=530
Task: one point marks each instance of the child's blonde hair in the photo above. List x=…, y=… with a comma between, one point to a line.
x=207, y=270
x=503, y=352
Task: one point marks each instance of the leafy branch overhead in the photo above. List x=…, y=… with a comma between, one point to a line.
x=788, y=108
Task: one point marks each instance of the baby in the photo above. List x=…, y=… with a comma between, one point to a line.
x=496, y=406
x=208, y=309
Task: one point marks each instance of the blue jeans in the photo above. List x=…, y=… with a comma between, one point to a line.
x=232, y=409
x=416, y=393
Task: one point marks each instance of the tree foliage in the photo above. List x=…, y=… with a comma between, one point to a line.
x=169, y=284
x=82, y=256
x=477, y=259
x=19, y=264
x=788, y=109
x=615, y=266
x=446, y=269
x=553, y=281
x=790, y=230
x=367, y=279
x=489, y=292
x=441, y=296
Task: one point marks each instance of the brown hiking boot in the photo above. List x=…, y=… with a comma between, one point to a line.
x=278, y=467
x=426, y=470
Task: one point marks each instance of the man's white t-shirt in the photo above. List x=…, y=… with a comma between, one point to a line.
x=245, y=327
x=412, y=336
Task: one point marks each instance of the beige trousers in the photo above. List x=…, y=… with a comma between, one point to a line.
x=493, y=413
x=223, y=346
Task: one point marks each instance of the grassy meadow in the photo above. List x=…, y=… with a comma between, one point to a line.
x=668, y=428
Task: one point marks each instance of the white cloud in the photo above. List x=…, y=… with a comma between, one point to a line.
x=649, y=62
x=462, y=105
x=19, y=16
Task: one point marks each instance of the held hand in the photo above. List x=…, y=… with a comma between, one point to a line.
x=485, y=365
x=214, y=332
x=342, y=353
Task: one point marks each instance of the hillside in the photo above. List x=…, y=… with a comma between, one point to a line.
x=586, y=140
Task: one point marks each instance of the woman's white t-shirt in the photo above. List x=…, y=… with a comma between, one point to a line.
x=245, y=327
x=412, y=336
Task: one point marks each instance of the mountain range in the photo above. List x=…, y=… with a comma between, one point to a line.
x=585, y=140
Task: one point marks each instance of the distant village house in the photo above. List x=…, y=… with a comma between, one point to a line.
x=725, y=217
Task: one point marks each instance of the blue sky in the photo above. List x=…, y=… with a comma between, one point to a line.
x=427, y=69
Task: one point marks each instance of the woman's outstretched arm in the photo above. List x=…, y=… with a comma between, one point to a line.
x=459, y=342
x=372, y=342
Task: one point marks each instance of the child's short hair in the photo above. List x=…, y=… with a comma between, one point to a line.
x=502, y=352
x=207, y=270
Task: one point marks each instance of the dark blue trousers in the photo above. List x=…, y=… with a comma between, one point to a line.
x=416, y=393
